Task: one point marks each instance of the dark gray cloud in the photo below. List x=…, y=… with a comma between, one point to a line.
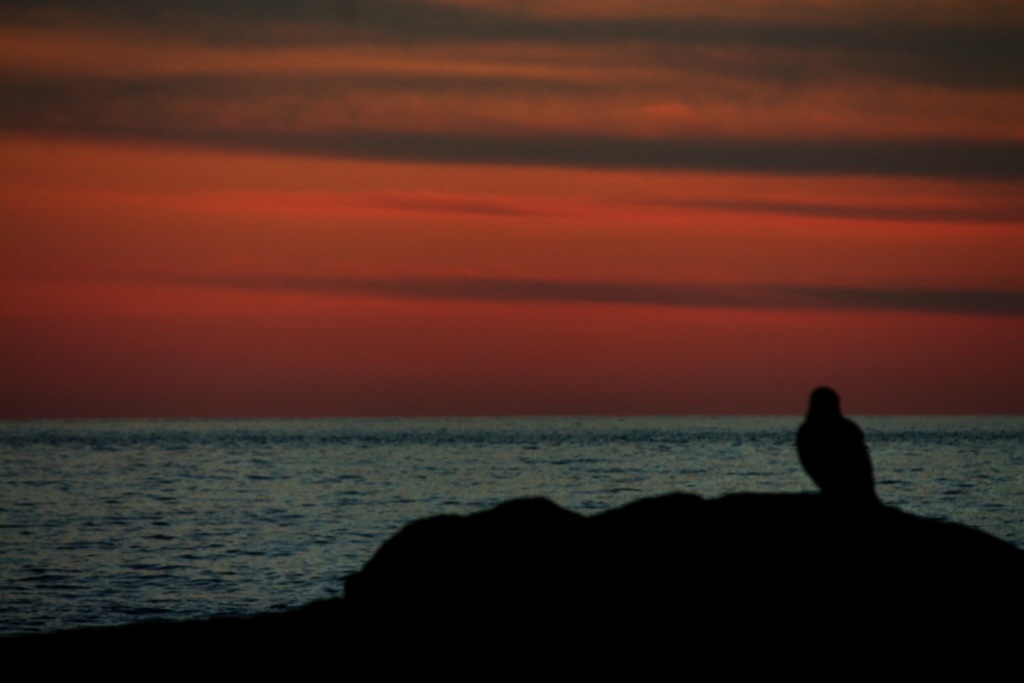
x=941, y=300
x=981, y=302
x=376, y=115
x=903, y=214
x=1002, y=159
x=966, y=54
x=187, y=111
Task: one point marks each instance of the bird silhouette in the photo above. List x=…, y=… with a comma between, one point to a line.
x=833, y=451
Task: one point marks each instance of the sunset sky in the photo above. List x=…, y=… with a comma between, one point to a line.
x=497, y=207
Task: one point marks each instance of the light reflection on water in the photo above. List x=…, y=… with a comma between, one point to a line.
x=113, y=521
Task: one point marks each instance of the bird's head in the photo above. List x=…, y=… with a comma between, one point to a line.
x=824, y=403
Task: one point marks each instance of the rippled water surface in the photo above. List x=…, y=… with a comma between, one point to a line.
x=106, y=522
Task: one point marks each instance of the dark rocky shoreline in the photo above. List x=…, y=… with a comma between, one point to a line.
x=756, y=569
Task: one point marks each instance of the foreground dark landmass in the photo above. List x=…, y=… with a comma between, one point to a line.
x=742, y=571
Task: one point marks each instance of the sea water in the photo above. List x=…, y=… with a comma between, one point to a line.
x=110, y=522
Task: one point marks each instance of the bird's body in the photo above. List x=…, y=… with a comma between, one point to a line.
x=833, y=451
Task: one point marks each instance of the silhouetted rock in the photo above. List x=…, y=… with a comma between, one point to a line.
x=729, y=556
x=742, y=571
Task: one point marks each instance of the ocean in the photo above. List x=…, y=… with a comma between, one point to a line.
x=112, y=522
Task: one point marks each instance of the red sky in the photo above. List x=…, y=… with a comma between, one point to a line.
x=426, y=207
